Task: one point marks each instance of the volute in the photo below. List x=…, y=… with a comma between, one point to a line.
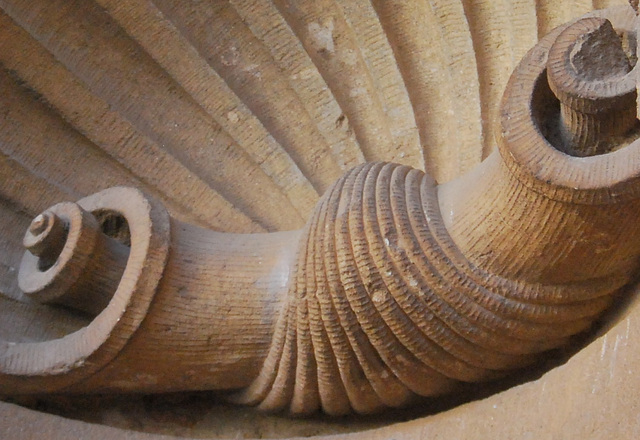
x=396, y=288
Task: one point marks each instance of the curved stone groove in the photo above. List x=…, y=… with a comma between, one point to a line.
x=12, y=191
x=552, y=14
x=153, y=102
x=113, y=134
x=135, y=147
x=421, y=64
x=392, y=91
x=289, y=55
x=23, y=142
x=182, y=61
x=460, y=62
x=331, y=44
x=219, y=35
x=494, y=26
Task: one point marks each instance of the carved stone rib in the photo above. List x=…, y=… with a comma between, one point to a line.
x=412, y=319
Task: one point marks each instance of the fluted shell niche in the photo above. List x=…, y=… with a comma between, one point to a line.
x=238, y=115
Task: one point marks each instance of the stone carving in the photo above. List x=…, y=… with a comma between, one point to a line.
x=77, y=81
x=396, y=287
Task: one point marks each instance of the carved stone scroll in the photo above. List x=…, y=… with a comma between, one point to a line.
x=396, y=288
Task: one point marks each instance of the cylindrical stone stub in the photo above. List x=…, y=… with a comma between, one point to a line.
x=66, y=253
x=39, y=224
x=46, y=237
x=589, y=72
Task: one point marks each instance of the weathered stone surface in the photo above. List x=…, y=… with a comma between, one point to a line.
x=593, y=395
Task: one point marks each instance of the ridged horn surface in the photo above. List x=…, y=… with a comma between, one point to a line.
x=383, y=306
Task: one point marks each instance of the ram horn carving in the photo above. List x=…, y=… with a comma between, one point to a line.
x=396, y=287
